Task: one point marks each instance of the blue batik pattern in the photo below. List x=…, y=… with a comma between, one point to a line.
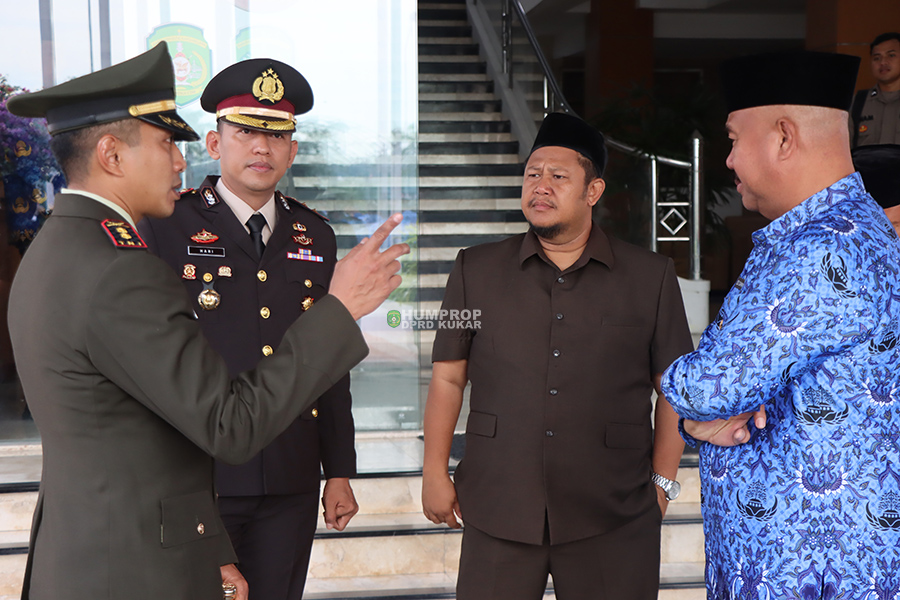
x=810, y=506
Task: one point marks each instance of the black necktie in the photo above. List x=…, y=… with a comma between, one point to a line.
x=255, y=224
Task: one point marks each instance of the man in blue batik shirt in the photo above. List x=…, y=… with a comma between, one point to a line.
x=807, y=504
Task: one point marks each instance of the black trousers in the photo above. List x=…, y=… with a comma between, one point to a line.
x=273, y=537
x=619, y=565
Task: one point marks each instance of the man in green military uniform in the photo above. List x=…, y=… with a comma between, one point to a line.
x=129, y=398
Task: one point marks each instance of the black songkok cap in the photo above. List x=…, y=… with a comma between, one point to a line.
x=260, y=93
x=142, y=87
x=879, y=166
x=568, y=131
x=801, y=77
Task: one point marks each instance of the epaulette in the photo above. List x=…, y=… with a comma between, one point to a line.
x=284, y=201
x=186, y=191
x=122, y=234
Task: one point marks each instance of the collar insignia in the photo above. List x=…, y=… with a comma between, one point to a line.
x=209, y=197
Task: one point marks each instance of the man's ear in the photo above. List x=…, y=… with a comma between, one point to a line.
x=107, y=154
x=788, y=137
x=595, y=190
x=212, y=144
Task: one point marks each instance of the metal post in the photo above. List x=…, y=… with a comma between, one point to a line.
x=696, y=196
x=654, y=199
x=548, y=105
x=506, y=40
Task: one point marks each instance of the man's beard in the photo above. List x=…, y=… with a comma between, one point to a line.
x=547, y=232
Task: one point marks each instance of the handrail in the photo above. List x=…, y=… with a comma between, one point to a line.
x=555, y=100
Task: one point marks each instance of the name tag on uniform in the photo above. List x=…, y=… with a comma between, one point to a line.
x=206, y=251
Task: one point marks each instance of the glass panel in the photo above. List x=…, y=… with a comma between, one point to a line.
x=357, y=161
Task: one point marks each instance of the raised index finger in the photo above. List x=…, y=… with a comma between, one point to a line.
x=374, y=242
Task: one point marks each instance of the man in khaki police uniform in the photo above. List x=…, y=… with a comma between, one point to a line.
x=875, y=114
x=259, y=279
x=573, y=332
x=129, y=398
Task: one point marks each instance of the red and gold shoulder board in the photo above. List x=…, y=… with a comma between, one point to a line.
x=122, y=234
x=314, y=211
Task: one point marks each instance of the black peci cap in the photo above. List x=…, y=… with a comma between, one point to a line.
x=142, y=88
x=568, y=131
x=879, y=167
x=800, y=77
x=260, y=93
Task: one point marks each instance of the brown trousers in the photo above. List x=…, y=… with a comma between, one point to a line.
x=620, y=565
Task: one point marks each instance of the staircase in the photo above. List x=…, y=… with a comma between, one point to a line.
x=389, y=551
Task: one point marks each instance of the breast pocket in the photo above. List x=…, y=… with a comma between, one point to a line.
x=189, y=518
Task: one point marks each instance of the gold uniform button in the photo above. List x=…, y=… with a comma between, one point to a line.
x=264, y=312
x=262, y=275
x=267, y=350
x=207, y=277
x=201, y=528
x=308, y=283
x=315, y=412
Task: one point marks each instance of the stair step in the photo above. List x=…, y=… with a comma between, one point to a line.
x=448, y=58
x=436, y=40
x=480, y=147
x=456, y=96
x=447, y=49
x=455, y=87
x=459, y=111
x=442, y=31
x=451, y=68
x=465, y=137
x=450, y=77
x=436, y=20
x=468, y=159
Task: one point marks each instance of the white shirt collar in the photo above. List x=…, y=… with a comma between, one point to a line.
x=243, y=212
x=107, y=203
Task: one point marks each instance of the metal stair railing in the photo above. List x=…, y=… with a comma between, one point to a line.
x=518, y=65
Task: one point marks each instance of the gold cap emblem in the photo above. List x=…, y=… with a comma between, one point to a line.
x=268, y=87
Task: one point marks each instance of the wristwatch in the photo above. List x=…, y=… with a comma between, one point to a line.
x=671, y=487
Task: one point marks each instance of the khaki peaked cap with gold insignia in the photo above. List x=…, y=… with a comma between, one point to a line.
x=260, y=93
x=142, y=88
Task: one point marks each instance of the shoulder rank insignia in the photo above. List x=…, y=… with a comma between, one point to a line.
x=314, y=211
x=204, y=237
x=122, y=234
x=186, y=191
x=209, y=196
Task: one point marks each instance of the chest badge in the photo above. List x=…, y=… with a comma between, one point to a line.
x=304, y=254
x=224, y=271
x=303, y=240
x=209, y=298
x=204, y=237
x=863, y=128
x=307, y=303
x=190, y=272
x=299, y=227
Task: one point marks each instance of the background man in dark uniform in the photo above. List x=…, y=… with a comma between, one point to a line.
x=573, y=332
x=875, y=114
x=130, y=399
x=264, y=277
